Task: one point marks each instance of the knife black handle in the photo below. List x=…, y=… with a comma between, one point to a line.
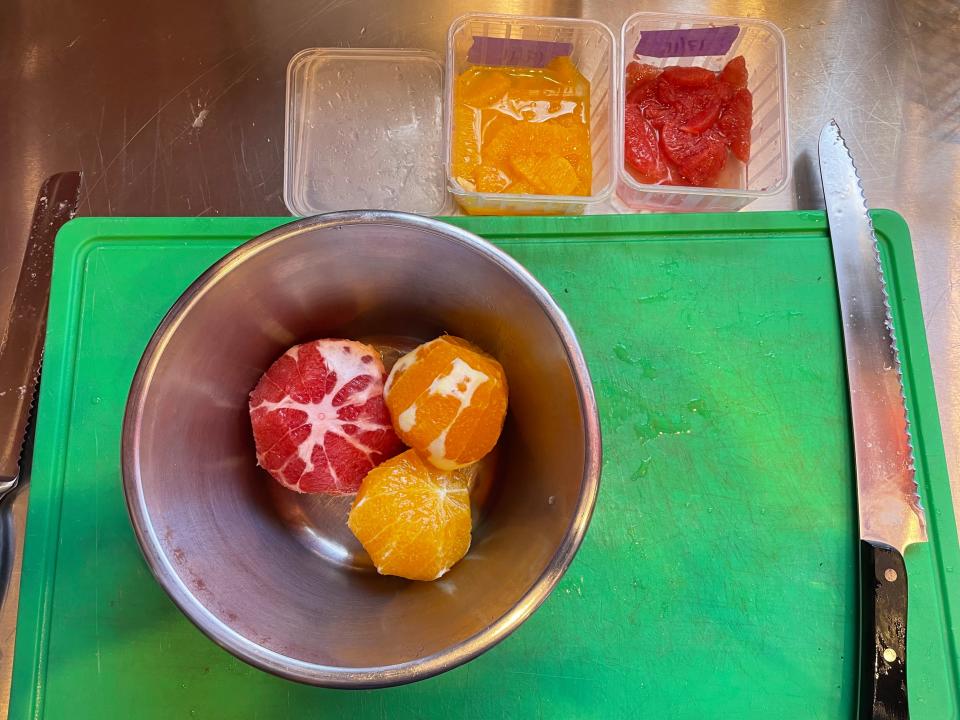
x=883, y=633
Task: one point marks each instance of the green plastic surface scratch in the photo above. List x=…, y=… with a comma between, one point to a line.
x=718, y=576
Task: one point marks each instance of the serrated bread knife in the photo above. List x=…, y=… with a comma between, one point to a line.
x=891, y=518
x=22, y=349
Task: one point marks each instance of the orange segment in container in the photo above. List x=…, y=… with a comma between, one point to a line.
x=480, y=86
x=466, y=149
x=490, y=179
x=550, y=175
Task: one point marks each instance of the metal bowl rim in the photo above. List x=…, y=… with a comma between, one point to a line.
x=356, y=677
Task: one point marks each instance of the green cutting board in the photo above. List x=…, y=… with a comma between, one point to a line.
x=717, y=579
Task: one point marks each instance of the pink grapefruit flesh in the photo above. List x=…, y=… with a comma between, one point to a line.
x=319, y=420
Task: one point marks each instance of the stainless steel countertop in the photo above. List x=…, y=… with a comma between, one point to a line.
x=176, y=108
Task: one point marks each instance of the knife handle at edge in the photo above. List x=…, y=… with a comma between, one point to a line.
x=883, y=633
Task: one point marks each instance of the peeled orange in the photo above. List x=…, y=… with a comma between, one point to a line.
x=413, y=519
x=447, y=399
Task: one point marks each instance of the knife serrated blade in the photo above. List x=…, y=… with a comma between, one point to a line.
x=891, y=517
x=890, y=510
x=22, y=349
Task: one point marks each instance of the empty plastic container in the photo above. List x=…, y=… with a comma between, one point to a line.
x=591, y=48
x=364, y=130
x=764, y=49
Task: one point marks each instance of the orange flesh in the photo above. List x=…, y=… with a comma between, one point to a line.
x=522, y=130
x=413, y=519
x=447, y=400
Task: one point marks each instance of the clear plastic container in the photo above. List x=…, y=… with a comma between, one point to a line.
x=763, y=46
x=593, y=46
x=364, y=130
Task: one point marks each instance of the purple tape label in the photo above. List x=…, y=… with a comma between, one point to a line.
x=691, y=42
x=513, y=51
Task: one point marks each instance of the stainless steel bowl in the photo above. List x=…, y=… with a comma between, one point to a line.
x=275, y=577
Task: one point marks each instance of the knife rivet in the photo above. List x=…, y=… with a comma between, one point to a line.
x=890, y=575
x=890, y=655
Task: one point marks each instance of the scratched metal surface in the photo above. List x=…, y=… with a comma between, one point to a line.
x=176, y=108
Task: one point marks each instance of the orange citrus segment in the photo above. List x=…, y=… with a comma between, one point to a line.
x=521, y=188
x=479, y=86
x=551, y=175
x=413, y=519
x=489, y=179
x=466, y=155
x=447, y=399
